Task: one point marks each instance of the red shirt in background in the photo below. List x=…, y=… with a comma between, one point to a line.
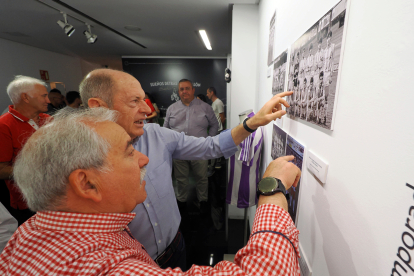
x=15, y=129
x=148, y=101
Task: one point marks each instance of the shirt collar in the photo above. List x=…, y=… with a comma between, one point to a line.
x=17, y=115
x=22, y=118
x=80, y=222
x=194, y=101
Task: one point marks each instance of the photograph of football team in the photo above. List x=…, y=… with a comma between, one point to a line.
x=279, y=73
x=313, y=69
x=296, y=149
x=271, y=39
x=278, y=142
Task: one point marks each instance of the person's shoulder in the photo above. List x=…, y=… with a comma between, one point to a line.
x=151, y=128
x=174, y=105
x=219, y=101
x=44, y=115
x=6, y=119
x=202, y=103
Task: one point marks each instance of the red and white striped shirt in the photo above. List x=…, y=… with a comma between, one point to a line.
x=59, y=243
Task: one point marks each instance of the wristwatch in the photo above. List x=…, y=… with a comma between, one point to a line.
x=270, y=186
x=246, y=127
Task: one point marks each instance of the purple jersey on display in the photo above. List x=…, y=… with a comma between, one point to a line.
x=244, y=171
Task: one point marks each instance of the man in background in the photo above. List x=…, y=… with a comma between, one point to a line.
x=193, y=117
x=73, y=99
x=218, y=107
x=57, y=101
x=30, y=99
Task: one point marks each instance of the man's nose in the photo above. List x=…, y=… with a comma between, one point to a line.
x=142, y=159
x=145, y=108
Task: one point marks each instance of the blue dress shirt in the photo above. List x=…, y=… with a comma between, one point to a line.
x=158, y=218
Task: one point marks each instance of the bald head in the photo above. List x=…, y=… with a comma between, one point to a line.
x=119, y=91
x=101, y=84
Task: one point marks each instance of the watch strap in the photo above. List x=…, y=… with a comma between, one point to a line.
x=246, y=127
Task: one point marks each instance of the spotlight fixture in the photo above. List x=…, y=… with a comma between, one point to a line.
x=69, y=30
x=90, y=38
x=205, y=39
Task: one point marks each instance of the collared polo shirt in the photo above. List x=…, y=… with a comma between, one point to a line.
x=15, y=129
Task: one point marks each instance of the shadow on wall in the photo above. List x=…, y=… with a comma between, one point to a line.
x=337, y=252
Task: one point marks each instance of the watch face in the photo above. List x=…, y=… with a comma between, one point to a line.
x=268, y=185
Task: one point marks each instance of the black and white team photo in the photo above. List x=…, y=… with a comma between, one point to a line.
x=313, y=69
x=279, y=73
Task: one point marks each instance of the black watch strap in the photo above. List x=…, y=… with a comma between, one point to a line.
x=246, y=127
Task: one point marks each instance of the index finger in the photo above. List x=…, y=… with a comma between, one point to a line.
x=283, y=94
x=287, y=158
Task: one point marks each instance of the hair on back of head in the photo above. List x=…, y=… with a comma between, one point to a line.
x=71, y=96
x=98, y=84
x=212, y=89
x=55, y=90
x=65, y=144
x=21, y=84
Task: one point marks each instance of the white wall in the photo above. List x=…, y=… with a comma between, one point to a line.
x=241, y=91
x=352, y=225
x=20, y=59
x=244, y=60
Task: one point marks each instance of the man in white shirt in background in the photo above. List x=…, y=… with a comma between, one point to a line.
x=218, y=107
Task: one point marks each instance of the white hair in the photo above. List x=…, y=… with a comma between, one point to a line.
x=21, y=84
x=53, y=152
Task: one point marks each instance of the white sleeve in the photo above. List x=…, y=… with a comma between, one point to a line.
x=220, y=107
x=8, y=225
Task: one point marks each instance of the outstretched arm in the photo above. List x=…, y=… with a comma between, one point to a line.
x=271, y=111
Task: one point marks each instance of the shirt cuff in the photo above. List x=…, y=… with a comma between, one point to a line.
x=227, y=145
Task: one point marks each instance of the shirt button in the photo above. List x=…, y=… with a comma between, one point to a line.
x=147, y=204
x=159, y=241
x=121, y=229
x=156, y=224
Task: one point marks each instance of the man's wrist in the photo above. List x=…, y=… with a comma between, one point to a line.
x=251, y=123
x=277, y=199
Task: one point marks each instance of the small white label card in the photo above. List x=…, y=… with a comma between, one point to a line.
x=317, y=166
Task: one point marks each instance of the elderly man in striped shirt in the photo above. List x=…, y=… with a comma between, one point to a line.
x=84, y=196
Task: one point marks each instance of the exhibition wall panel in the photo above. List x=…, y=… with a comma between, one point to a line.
x=355, y=222
x=20, y=59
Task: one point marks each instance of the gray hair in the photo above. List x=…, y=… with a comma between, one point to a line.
x=21, y=84
x=53, y=152
x=97, y=85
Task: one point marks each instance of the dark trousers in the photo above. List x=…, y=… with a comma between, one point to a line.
x=174, y=255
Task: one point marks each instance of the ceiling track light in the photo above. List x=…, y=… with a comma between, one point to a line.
x=69, y=29
x=90, y=38
x=204, y=36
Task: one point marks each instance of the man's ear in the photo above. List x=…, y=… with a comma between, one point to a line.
x=83, y=184
x=96, y=102
x=24, y=97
